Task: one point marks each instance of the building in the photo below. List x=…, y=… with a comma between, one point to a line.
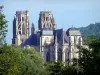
x=20, y=27
x=52, y=43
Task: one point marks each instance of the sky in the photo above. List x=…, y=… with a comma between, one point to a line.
x=67, y=13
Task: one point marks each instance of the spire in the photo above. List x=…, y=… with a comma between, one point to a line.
x=14, y=17
x=32, y=24
x=32, y=28
x=54, y=22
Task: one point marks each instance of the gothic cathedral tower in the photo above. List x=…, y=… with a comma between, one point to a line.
x=20, y=27
x=46, y=20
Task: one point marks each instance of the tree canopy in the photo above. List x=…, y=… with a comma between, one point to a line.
x=17, y=61
x=87, y=64
x=89, y=59
x=3, y=27
x=32, y=64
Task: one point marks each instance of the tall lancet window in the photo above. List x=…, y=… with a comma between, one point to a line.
x=23, y=29
x=47, y=25
x=60, y=54
x=44, y=26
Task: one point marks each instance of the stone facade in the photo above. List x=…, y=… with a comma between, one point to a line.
x=52, y=43
x=20, y=27
x=46, y=20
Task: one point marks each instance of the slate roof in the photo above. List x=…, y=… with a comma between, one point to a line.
x=46, y=32
x=66, y=39
x=73, y=31
x=32, y=41
x=60, y=33
x=72, y=28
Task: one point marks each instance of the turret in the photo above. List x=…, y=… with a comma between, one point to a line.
x=32, y=29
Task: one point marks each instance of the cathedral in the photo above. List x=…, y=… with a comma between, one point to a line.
x=52, y=43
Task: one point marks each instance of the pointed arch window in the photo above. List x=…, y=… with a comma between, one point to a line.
x=47, y=25
x=47, y=18
x=47, y=39
x=22, y=18
x=60, y=54
x=50, y=26
x=48, y=56
x=19, y=33
x=23, y=29
x=44, y=26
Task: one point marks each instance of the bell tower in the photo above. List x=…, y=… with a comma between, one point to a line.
x=20, y=27
x=46, y=20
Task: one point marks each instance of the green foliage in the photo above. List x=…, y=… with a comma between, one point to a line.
x=3, y=27
x=58, y=68
x=17, y=61
x=32, y=64
x=55, y=68
x=92, y=29
x=10, y=56
x=69, y=70
x=89, y=59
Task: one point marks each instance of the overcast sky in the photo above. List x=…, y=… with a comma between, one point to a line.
x=78, y=13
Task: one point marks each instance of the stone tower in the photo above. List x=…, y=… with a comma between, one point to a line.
x=46, y=20
x=20, y=27
x=32, y=29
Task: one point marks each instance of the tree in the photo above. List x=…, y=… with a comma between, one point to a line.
x=3, y=27
x=17, y=61
x=32, y=64
x=69, y=70
x=89, y=59
x=55, y=68
x=58, y=68
x=10, y=57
